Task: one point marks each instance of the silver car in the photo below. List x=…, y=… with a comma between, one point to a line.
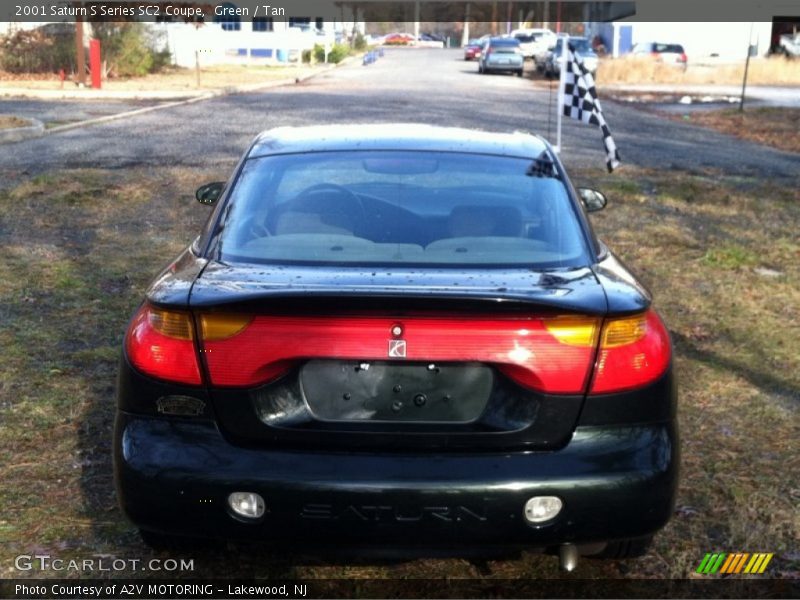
x=552, y=65
x=501, y=54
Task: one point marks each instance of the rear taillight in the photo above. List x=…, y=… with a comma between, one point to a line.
x=160, y=343
x=548, y=354
x=633, y=352
x=683, y=58
x=552, y=355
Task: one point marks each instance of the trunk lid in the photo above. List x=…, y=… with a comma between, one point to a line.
x=574, y=290
x=345, y=389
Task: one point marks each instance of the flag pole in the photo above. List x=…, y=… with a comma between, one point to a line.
x=560, y=104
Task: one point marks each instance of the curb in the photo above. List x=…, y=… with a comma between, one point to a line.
x=49, y=95
x=17, y=134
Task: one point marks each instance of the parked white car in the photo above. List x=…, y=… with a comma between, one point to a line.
x=532, y=42
x=789, y=45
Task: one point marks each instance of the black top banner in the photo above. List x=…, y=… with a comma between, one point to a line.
x=395, y=10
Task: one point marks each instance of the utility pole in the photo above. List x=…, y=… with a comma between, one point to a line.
x=355, y=25
x=465, y=32
x=746, y=66
x=558, y=16
x=416, y=19
x=80, y=56
x=494, y=17
x=197, y=66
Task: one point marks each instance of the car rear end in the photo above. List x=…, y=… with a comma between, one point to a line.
x=502, y=55
x=472, y=51
x=527, y=43
x=670, y=54
x=457, y=398
x=446, y=445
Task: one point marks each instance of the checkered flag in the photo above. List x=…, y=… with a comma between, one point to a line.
x=581, y=103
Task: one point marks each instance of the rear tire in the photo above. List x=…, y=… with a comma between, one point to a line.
x=519, y=73
x=630, y=548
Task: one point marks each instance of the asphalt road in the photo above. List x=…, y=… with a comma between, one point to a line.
x=406, y=85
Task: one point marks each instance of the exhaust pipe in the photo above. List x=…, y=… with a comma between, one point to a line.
x=568, y=557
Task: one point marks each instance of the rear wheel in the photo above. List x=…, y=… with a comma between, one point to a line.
x=519, y=73
x=630, y=548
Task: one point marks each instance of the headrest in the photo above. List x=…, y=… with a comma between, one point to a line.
x=484, y=221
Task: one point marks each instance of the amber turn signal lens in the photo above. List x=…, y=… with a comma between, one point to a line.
x=573, y=331
x=176, y=325
x=627, y=330
x=222, y=326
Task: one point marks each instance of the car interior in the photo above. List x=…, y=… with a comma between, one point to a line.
x=334, y=223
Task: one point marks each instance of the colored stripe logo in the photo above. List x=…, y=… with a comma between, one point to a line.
x=734, y=563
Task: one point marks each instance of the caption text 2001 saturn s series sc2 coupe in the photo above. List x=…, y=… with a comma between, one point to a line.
x=399, y=334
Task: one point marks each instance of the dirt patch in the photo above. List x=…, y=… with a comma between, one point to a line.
x=10, y=122
x=776, y=127
x=721, y=255
x=174, y=79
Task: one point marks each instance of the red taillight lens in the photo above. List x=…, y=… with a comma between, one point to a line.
x=683, y=58
x=160, y=343
x=548, y=354
x=634, y=351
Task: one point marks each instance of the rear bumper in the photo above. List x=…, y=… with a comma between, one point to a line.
x=615, y=482
x=515, y=65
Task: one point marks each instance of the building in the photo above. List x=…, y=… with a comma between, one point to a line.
x=229, y=33
x=703, y=42
x=232, y=34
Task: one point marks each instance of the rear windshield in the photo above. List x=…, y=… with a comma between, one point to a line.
x=579, y=44
x=673, y=48
x=505, y=42
x=403, y=208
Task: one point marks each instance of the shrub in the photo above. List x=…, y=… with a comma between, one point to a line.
x=337, y=53
x=360, y=42
x=42, y=50
x=127, y=50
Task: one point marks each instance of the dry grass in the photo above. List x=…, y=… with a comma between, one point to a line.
x=173, y=79
x=776, y=127
x=762, y=71
x=10, y=121
x=80, y=247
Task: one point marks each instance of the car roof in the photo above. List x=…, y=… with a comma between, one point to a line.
x=395, y=136
x=503, y=40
